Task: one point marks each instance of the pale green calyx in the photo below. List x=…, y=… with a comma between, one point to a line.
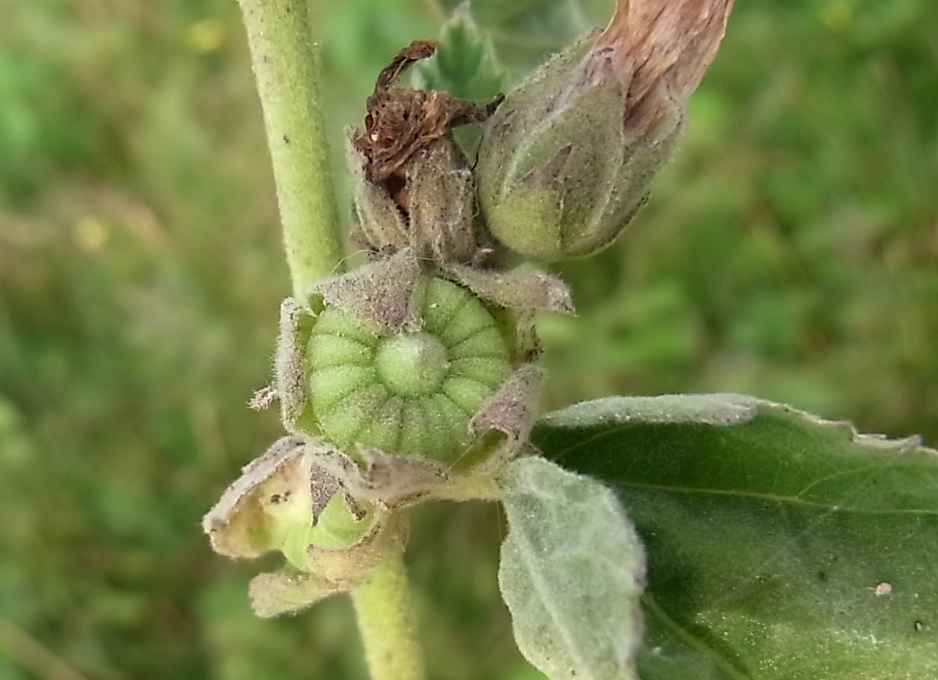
x=438, y=219
x=295, y=499
x=562, y=169
x=287, y=499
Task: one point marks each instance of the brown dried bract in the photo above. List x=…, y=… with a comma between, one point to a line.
x=400, y=120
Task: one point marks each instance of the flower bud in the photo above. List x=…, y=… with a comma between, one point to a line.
x=566, y=160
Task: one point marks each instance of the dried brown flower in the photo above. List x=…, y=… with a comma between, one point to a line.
x=400, y=120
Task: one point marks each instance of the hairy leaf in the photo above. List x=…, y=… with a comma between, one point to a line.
x=779, y=545
x=464, y=64
x=571, y=573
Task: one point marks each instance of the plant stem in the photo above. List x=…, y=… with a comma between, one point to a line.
x=287, y=72
x=387, y=622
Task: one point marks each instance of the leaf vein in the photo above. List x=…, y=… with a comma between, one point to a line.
x=776, y=498
x=692, y=640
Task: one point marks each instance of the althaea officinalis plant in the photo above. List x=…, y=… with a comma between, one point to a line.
x=656, y=537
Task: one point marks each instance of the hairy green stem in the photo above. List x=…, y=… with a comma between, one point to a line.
x=287, y=73
x=387, y=622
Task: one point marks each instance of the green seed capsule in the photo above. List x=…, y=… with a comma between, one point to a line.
x=412, y=391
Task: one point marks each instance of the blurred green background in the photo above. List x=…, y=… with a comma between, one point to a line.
x=790, y=251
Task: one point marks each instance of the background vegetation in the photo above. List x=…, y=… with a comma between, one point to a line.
x=791, y=251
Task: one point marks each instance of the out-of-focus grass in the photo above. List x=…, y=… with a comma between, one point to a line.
x=790, y=251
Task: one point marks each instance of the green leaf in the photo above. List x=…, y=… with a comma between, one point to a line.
x=464, y=64
x=779, y=545
x=526, y=32
x=571, y=573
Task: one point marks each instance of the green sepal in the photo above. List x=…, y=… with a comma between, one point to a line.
x=560, y=171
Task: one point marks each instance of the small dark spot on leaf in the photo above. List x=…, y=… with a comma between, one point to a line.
x=918, y=626
x=286, y=139
x=278, y=498
x=822, y=576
